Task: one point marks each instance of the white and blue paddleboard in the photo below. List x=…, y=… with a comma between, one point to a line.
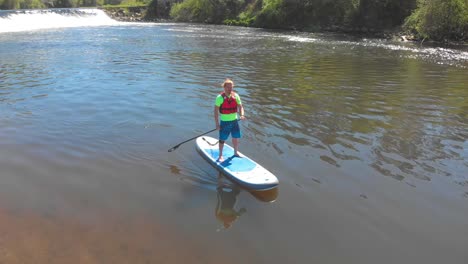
x=241, y=170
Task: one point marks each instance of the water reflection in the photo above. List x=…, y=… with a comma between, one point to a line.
x=225, y=210
x=227, y=194
x=348, y=104
x=316, y=109
x=397, y=117
x=267, y=196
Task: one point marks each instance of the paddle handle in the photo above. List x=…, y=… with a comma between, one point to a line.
x=178, y=145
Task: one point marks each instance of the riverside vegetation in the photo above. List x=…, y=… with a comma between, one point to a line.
x=439, y=20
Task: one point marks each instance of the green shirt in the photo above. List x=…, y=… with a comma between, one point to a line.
x=227, y=117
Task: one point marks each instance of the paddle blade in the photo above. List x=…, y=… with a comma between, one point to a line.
x=173, y=148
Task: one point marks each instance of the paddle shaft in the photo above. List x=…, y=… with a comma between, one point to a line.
x=178, y=145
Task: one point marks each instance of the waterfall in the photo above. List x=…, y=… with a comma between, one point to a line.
x=26, y=20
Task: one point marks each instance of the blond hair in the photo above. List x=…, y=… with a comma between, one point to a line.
x=227, y=81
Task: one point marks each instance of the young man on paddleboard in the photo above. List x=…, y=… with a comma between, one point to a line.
x=227, y=105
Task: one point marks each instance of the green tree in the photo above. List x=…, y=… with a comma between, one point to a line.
x=10, y=4
x=272, y=14
x=440, y=20
x=382, y=14
x=88, y=3
x=207, y=11
x=32, y=4
x=63, y=3
x=192, y=11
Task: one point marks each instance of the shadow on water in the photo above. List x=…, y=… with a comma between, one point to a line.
x=227, y=192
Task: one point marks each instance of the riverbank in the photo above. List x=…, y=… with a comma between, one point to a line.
x=140, y=14
x=127, y=14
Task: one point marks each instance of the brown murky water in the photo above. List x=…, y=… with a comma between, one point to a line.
x=368, y=139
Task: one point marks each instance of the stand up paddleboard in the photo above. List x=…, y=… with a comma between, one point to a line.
x=241, y=170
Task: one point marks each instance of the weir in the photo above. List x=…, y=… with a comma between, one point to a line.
x=37, y=19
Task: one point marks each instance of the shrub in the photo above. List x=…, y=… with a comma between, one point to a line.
x=271, y=15
x=192, y=11
x=439, y=20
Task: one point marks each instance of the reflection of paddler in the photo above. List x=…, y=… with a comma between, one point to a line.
x=227, y=197
x=267, y=196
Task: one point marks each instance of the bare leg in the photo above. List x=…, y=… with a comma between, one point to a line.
x=235, y=143
x=221, y=146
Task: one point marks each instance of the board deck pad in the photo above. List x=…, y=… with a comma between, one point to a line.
x=242, y=169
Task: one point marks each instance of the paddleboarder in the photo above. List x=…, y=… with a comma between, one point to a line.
x=228, y=105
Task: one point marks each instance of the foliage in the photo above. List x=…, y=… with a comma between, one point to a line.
x=334, y=13
x=9, y=4
x=208, y=11
x=326, y=13
x=158, y=9
x=21, y=4
x=122, y=3
x=192, y=11
x=125, y=6
x=244, y=19
x=111, y=2
x=248, y=14
x=152, y=10
x=31, y=4
x=433, y=19
x=64, y=3
x=437, y=19
x=135, y=2
x=272, y=14
x=382, y=14
x=440, y=20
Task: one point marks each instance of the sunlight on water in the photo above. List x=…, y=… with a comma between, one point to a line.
x=439, y=55
x=26, y=20
x=368, y=139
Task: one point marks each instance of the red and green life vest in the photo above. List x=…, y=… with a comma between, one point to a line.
x=229, y=105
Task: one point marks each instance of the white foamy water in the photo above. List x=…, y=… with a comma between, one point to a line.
x=445, y=56
x=27, y=20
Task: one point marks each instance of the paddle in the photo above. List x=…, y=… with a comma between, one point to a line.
x=178, y=145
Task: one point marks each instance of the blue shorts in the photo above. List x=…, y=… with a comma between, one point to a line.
x=227, y=128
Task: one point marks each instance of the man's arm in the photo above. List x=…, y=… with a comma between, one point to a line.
x=240, y=108
x=216, y=116
x=241, y=111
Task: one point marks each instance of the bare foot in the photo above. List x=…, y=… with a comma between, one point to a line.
x=221, y=159
x=237, y=155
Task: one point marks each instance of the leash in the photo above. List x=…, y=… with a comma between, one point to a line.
x=211, y=144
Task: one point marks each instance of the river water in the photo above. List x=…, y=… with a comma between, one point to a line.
x=368, y=137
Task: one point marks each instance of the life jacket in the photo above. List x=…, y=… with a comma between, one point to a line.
x=229, y=105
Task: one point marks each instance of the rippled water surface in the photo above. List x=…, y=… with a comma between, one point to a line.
x=369, y=140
